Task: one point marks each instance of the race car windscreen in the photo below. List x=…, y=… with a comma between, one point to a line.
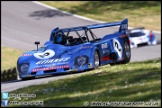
x=40, y=49
x=137, y=34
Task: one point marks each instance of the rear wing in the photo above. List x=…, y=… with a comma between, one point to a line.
x=123, y=26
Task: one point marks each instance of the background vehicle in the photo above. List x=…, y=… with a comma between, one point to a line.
x=76, y=49
x=140, y=36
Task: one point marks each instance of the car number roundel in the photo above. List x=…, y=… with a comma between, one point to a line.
x=45, y=55
x=117, y=47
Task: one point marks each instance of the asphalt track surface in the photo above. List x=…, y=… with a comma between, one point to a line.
x=24, y=22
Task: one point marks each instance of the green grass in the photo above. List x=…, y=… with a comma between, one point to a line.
x=133, y=82
x=9, y=57
x=139, y=13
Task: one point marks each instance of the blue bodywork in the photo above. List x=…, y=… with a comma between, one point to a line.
x=55, y=58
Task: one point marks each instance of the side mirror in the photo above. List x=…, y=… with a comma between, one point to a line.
x=37, y=43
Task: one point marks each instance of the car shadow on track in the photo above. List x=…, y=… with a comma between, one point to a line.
x=48, y=13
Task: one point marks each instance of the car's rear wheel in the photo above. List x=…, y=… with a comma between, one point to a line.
x=127, y=53
x=96, y=59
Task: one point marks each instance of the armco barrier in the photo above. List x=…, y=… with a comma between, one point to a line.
x=9, y=75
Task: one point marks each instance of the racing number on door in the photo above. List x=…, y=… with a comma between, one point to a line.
x=117, y=47
x=45, y=55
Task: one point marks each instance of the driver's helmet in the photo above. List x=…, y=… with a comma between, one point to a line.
x=60, y=39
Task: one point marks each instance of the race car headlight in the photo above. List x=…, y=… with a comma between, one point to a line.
x=81, y=60
x=24, y=68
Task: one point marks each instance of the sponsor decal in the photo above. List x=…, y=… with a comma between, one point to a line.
x=49, y=65
x=117, y=47
x=86, y=47
x=124, y=26
x=121, y=58
x=105, y=51
x=52, y=61
x=81, y=60
x=45, y=55
x=26, y=55
x=104, y=45
x=105, y=58
x=124, y=35
x=50, y=68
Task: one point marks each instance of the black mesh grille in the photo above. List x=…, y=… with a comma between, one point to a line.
x=49, y=71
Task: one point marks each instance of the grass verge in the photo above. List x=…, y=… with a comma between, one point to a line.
x=9, y=57
x=134, y=82
x=139, y=13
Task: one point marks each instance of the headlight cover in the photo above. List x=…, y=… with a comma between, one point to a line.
x=81, y=60
x=24, y=68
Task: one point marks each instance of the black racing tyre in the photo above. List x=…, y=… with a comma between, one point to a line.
x=127, y=51
x=96, y=59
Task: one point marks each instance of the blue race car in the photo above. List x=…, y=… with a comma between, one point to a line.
x=68, y=50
